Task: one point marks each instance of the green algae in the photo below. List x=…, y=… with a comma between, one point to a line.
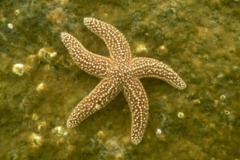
x=202, y=44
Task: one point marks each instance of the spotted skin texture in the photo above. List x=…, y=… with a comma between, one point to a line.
x=119, y=73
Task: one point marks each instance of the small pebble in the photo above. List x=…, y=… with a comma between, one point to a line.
x=223, y=97
x=17, y=12
x=196, y=101
x=141, y=48
x=46, y=53
x=100, y=134
x=41, y=125
x=158, y=131
x=227, y=113
x=40, y=87
x=59, y=131
x=34, y=116
x=180, y=115
x=10, y=25
x=35, y=140
x=18, y=69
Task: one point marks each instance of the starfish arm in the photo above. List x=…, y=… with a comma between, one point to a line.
x=100, y=96
x=116, y=42
x=138, y=103
x=91, y=63
x=148, y=67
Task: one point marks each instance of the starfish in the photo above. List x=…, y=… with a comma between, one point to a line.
x=119, y=73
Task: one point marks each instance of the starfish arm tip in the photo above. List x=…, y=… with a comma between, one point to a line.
x=116, y=42
x=64, y=36
x=148, y=67
x=136, y=141
x=71, y=123
x=138, y=103
x=88, y=20
x=183, y=86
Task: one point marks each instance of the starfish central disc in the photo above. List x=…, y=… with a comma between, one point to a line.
x=120, y=73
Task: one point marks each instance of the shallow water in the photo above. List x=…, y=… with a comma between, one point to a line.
x=200, y=40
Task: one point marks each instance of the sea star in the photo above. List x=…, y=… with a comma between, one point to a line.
x=120, y=72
